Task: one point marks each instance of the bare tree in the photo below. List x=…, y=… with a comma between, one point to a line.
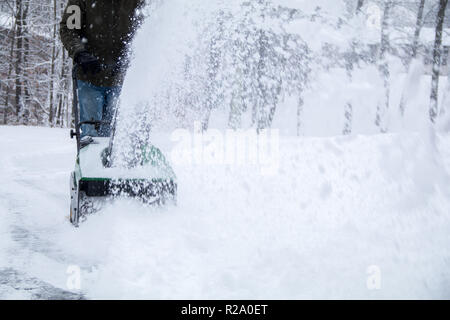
x=53, y=67
x=359, y=6
x=418, y=28
x=437, y=60
x=383, y=66
x=415, y=45
x=35, y=87
x=18, y=57
x=350, y=59
x=11, y=36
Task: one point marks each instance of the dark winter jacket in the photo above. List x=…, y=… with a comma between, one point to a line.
x=107, y=27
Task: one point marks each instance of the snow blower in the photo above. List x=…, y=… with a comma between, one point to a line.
x=93, y=181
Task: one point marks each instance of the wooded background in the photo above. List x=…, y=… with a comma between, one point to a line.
x=34, y=67
x=35, y=70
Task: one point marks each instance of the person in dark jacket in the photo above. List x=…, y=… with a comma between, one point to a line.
x=96, y=33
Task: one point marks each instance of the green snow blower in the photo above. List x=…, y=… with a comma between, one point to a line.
x=94, y=181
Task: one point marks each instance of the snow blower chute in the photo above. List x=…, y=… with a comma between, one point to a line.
x=152, y=180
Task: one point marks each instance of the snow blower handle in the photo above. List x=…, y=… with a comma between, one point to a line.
x=75, y=108
x=75, y=133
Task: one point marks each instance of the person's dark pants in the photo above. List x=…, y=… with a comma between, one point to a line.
x=97, y=104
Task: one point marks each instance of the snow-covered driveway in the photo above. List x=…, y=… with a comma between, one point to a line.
x=339, y=213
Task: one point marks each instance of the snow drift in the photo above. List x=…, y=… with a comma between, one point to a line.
x=336, y=207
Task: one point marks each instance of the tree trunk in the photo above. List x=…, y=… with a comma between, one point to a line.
x=348, y=108
x=437, y=60
x=419, y=23
x=415, y=45
x=359, y=6
x=300, y=104
x=383, y=66
x=60, y=116
x=10, y=69
x=25, y=70
x=52, y=71
x=350, y=59
x=348, y=125
x=261, y=112
x=18, y=62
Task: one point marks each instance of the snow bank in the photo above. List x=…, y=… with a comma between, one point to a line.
x=336, y=207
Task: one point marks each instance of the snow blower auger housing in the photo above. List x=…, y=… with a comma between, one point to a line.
x=153, y=181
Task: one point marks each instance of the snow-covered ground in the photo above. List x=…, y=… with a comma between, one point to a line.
x=336, y=209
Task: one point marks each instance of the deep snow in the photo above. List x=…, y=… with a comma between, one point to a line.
x=336, y=207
